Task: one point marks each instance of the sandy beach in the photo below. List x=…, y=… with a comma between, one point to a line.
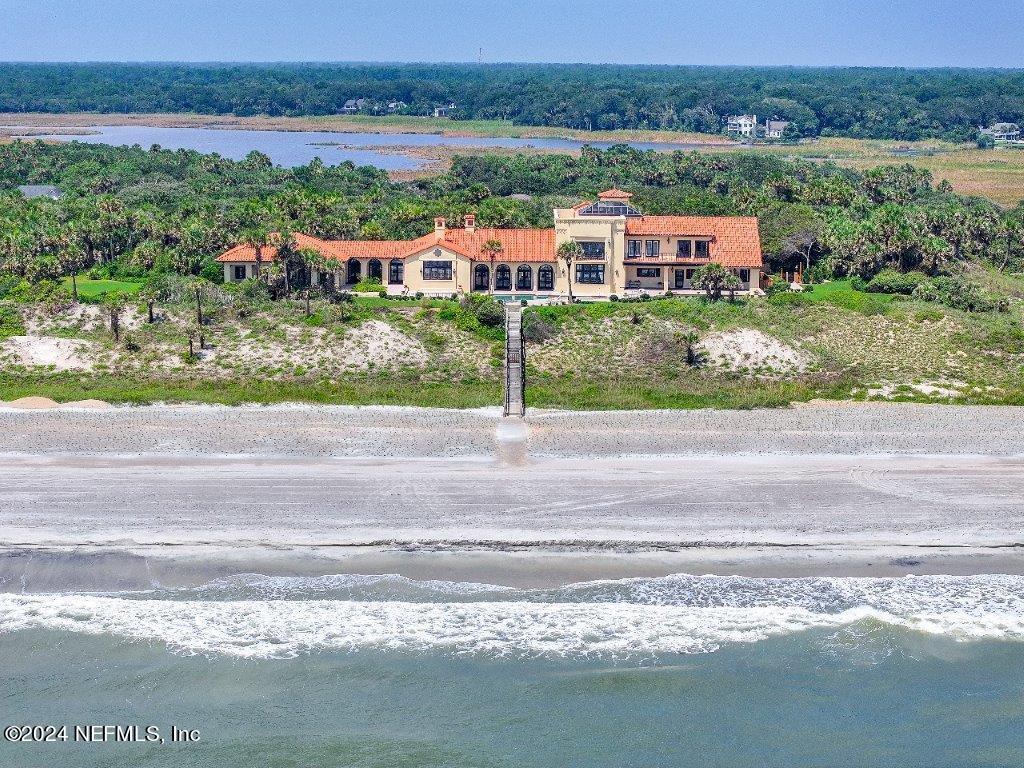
x=128, y=496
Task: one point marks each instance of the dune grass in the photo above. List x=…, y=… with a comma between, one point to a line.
x=64, y=388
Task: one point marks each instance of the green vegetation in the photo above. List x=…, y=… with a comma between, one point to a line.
x=902, y=104
x=143, y=390
x=94, y=289
x=916, y=291
x=832, y=342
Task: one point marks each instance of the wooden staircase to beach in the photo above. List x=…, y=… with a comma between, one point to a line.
x=515, y=362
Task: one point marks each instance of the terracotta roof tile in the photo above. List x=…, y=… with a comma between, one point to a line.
x=518, y=244
x=736, y=240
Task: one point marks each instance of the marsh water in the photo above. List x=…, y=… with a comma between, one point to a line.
x=294, y=148
x=383, y=670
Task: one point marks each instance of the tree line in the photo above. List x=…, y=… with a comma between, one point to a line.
x=865, y=102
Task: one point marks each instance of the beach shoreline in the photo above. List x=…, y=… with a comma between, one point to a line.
x=129, y=497
x=113, y=569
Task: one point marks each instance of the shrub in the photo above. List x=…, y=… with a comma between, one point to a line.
x=893, y=281
x=382, y=294
x=858, y=283
x=613, y=297
x=255, y=290
x=789, y=297
x=536, y=329
x=10, y=322
x=131, y=343
x=489, y=314
x=368, y=285
x=48, y=291
x=7, y=284
x=960, y=293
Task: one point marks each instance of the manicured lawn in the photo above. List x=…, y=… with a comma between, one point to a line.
x=92, y=289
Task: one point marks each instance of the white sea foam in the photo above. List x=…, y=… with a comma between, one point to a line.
x=631, y=618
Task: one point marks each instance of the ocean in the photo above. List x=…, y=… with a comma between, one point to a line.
x=386, y=671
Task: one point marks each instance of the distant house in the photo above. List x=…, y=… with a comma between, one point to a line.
x=353, y=105
x=31, y=191
x=444, y=111
x=775, y=129
x=742, y=125
x=1002, y=133
x=396, y=106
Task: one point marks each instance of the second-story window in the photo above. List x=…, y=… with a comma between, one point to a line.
x=592, y=249
x=633, y=248
x=653, y=248
x=702, y=249
x=683, y=249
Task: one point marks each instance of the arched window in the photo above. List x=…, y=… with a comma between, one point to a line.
x=355, y=271
x=374, y=271
x=481, y=277
x=524, y=278
x=503, y=278
x=545, y=278
x=396, y=272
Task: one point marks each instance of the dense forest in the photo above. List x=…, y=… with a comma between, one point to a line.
x=129, y=212
x=904, y=104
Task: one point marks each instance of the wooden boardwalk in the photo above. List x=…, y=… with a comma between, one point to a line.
x=515, y=362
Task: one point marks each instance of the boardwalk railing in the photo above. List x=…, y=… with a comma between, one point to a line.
x=515, y=361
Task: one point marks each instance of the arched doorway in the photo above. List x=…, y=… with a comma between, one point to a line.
x=481, y=277
x=545, y=278
x=355, y=271
x=524, y=278
x=374, y=270
x=503, y=278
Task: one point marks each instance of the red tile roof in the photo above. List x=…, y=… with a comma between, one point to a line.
x=614, y=194
x=340, y=250
x=735, y=240
x=517, y=244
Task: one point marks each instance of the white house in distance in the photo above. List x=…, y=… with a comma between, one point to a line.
x=1002, y=133
x=742, y=125
x=624, y=253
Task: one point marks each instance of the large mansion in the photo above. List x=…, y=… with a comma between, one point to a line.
x=623, y=253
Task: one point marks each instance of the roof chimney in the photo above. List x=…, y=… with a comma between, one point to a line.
x=470, y=222
x=439, y=224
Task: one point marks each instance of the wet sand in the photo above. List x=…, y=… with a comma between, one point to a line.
x=128, y=497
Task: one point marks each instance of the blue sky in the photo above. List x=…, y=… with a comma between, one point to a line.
x=814, y=32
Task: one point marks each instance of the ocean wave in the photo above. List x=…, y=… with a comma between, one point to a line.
x=264, y=617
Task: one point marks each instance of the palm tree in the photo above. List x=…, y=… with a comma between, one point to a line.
x=70, y=259
x=115, y=303
x=197, y=286
x=149, y=295
x=491, y=249
x=314, y=260
x=257, y=238
x=713, y=278
x=568, y=252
